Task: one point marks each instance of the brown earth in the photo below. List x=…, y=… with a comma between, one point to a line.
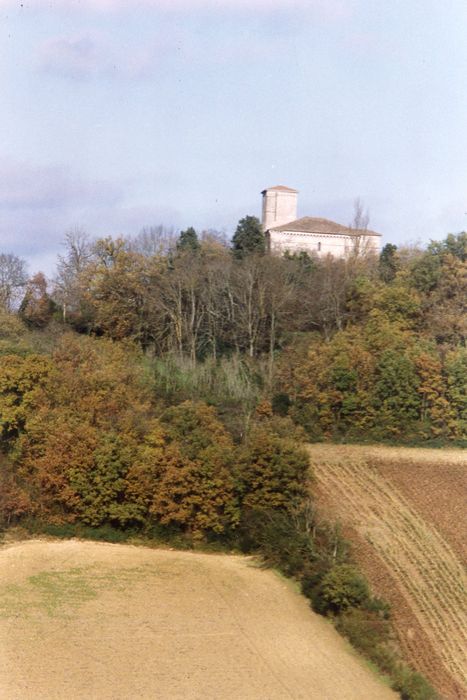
x=101, y=621
x=403, y=509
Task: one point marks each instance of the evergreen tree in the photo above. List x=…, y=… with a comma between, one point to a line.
x=249, y=237
x=188, y=240
x=388, y=262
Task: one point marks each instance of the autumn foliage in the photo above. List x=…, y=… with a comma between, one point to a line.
x=87, y=443
x=168, y=386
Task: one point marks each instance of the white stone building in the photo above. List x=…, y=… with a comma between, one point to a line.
x=284, y=232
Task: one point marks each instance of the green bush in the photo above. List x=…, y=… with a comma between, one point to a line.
x=311, y=587
x=344, y=587
x=411, y=685
x=64, y=531
x=365, y=630
x=104, y=533
x=380, y=606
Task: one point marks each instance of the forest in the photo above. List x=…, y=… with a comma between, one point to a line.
x=169, y=379
x=165, y=384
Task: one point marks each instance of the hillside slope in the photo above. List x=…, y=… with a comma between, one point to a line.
x=402, y=508
x=87, y=620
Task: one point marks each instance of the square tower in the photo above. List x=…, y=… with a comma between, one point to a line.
x=279, y=206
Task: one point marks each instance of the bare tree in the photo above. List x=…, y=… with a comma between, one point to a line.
x=359, y=227
x=248, y=299
x=154, y=240
x=216, y=271
x=70, y=268
x=282, y=280
x=212, y=237
x=13, y=279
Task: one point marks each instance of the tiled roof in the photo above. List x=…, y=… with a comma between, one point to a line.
x=310, y=224
x=280, y=188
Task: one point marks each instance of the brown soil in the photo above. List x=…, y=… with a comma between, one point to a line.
x=101, y=621
x=401, y=509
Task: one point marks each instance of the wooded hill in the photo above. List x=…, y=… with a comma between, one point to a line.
x=361, y=348
x=165, y=387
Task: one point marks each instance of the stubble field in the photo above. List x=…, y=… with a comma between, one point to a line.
x=404, y=511
x=82, y=620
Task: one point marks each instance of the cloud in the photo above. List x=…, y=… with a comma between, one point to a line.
x=27, y=187
x=94, y=55
x=75, y=57
x=328, y=9
x=40, y=203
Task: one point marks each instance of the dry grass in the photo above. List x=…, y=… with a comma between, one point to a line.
x=402, y=508
x=93, y=621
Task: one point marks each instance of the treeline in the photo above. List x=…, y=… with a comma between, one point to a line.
x=358, y=348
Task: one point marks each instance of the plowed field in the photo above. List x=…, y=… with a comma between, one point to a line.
x=404, y=509
x=81, y=620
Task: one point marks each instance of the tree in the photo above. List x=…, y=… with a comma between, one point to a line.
x=435, y=411
x=37, y=307
x=70, y=282
x=247, y=300
x=153, y=241
x=177, y=295
x=272, y=473
x=79, y=427
x=188, y=240
x=195, y=489
x=13, y=279
x=21, y=378
x=396, y=396
x=359, y=228
x=388, y=263
x=194, y=427
x=446, y=305
x=248, y=237
x=453, y=244
x=344, y=587
x=456, y=371
x=14, y=500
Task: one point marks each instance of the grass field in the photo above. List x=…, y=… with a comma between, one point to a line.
x=404, y=511
x=94, y=621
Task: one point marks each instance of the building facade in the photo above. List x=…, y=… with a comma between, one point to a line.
x=285, y=233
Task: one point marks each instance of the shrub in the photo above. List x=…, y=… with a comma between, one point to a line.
x=365, y=630
x=272, y=472
x=281, y=403
x=274, y=535
x=194, y=426
x=311, y=587
x=411, y=685
x=344, y=587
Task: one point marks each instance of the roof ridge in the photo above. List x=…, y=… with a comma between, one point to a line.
x=282, y=188
x=304, y=224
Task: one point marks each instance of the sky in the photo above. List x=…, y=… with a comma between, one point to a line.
x=121, y=114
